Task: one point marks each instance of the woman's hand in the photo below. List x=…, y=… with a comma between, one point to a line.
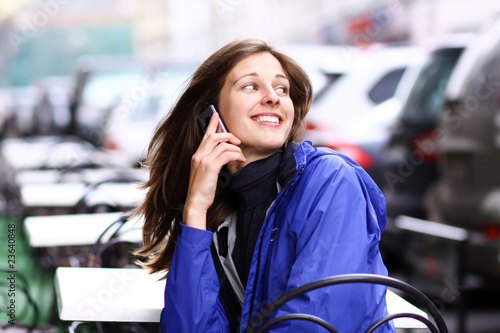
x=215, y=151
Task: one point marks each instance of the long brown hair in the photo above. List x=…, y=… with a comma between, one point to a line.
x=177, y=138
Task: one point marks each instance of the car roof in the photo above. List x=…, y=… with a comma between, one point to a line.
x=487, y=39
x=446, y=41
x=379, y=55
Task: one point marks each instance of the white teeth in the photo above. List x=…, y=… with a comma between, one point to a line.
x=269, y=119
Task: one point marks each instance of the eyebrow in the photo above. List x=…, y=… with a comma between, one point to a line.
x=279, y=76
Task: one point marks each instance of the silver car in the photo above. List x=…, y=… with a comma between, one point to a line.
x=467, y=194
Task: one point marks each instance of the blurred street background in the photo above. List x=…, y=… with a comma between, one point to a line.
x=409, y=89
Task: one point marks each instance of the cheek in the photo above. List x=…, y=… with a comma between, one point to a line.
x=232, y=118
x=290, y=111
x=225, y=111
x=291, y=117
x=234, y=111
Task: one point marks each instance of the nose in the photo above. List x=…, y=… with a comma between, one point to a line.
x=270, y=96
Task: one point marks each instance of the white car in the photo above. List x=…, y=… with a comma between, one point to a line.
x=354, y=113
x=366, y=79
x=133, y=121
x=318, y=59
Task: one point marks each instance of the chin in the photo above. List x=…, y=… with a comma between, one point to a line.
x=269, y=150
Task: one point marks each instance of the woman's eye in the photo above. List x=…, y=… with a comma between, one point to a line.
x=282, y=90
x=249, y=86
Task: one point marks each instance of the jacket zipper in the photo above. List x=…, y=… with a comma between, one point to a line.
x=280, y=196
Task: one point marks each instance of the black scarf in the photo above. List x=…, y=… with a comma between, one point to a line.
x=256, y=188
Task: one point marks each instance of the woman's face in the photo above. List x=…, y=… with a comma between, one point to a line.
x=255, y=105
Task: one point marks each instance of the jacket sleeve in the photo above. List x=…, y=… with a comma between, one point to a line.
x=191, y=293
x=336, y=225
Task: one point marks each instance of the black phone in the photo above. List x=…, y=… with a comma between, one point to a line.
x=205, y=117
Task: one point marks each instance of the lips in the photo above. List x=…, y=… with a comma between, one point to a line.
x=268, y=119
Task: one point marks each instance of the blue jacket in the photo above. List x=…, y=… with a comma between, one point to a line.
x=327, y=221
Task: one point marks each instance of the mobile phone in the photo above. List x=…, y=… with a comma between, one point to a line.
x=205, y=117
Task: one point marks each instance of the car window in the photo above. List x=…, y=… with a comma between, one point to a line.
x=146, y=109
x=103, y=90
x=386, y=86
x=478, y=50
x=158, y=102
x=330, y=79
x=427, y=95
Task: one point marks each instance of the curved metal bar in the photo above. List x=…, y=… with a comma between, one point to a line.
x=415, y=316
x=351, y=278
x=297, y=316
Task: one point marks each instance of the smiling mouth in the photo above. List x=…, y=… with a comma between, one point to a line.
x=267, y=119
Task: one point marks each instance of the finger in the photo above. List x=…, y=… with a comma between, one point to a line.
x=217, y=157
x=226, y=152
x=211, y=141
x=233, y=139
x=224, y=136
x=212, y=124
x=216, y=138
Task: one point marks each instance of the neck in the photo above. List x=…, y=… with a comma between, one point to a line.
x=250, y=157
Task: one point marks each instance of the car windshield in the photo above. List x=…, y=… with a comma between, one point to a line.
x=480, y=48
x=168, y=89
x=330, y=108
x=103, y=90
x=386, y=86
x=146, y=108
x=427, y=95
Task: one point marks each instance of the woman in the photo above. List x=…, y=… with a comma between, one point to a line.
x=239, y=218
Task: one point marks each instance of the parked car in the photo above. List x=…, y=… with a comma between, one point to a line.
x=467, y=193
x=409, y=162
x=324, y=63
x=353, y=113
x=10, y=194
x=7, y=120
x=131, y=123
x=51, y=112
x=56, y=152
x=24, y=100
x=99, y=83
